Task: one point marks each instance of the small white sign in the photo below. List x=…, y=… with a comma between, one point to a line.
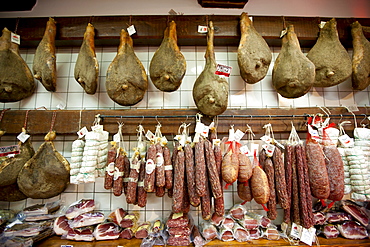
x=131, y=30
x=82, y=132
x=15, y=38
x=202, y=29
x=23, y=137
x=223, y=70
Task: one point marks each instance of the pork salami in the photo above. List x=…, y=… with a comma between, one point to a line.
x=318, y=174
x=190, y=175
x=335, y=169
x=244, y=191
x=219, y=206
x=213, y=174
x=167, y=167
x=149, y=181
x=206, y=203
x=260, y=186
x=245, y=168
x=109, y=171
x=289, y=159
x=230, y=167
x=295, y=215
x=160, y=191
x=200, y=167
x=118, y=173
x=141, y=193
x=270, y=173
x=280, y=183
x=160, y=180
x=179, y=181
x=133, y=180
x=126, y=173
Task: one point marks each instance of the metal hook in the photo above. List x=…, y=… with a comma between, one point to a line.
x=156, y=118
x=365, y=117
x=142, y=120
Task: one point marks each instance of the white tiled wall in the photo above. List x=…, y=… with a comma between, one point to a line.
x=71, y=95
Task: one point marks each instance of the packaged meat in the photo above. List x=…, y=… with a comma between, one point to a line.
x=216, y=219
x=255, y=234
x=5, y=215
x=336, y=217
x=143, y=230
x=330, y=231
x=352, y=230
x=198, y=240
x=157, y=227
x=225, y=234
x=80, y=207
x=319, y=218
x=209, y=231
x=129, y=220
x=128, y=232
x=61, y=225
x=178, y=220
x=178, y=240
x=107, y=231
x=249, y=222
x=117, y=215
x=355, y=210
x=238, y=211
x=179, y=230
x=87, y=219
x=228, y=223
x=80, y=234
x=26, y=229
x=240, y=233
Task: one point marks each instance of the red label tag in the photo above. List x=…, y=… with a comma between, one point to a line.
x=13, y=149
x=223, y=70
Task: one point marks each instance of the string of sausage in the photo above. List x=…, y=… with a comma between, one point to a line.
x=190, y=176
x=280, y=183
x=213, y=175
x=179, y=181
x=167, y=167
x=289, y=156
x=270, y=173
x=200, y=167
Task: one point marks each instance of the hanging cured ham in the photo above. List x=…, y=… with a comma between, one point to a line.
x=127, y=80
x=87, y=68
x=331, y=59
x=360, y=58
x=254, y=54
x=44, y=62
x=16, y=79
x=168, y=65
x=210, y=91
x=293, y=74
x=46, y=174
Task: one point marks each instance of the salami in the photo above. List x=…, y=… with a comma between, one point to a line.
x=219, y=206
x=262, y=157
x=289, y=156
x=118, y=173
x=149, y=181
x=335, y=169
x=304, y=189
x=141, y=193
x=190, y=176
x=179, y=181
x=295, y=215
x=213, y=174
x=244, y=191
x=109, y=171
x=270, y=173
x=126, y=173
x=160, y=191
x=318, y=174
x=206, y=203
x=200, y=167
x=230, y=167
x=280, y=183
x=260, y=186
x=218, y=159
x=133, y=180
x=160, y=180
x=245, y=168
x=167, y=167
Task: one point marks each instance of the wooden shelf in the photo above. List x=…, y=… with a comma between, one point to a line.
x=55, y=241
x=70, y=30
x=68, y=121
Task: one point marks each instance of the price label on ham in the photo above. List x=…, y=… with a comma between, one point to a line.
x=202, y=29
x=223, y=70
x=66, y=245
x=15, y=38
x=7, y=150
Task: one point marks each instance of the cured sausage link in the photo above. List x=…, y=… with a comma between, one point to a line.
x=280, y=182
x=159, y=169
x=118, y=174
x=271, y=204
x=295, y=189
x=149, y=181
x=179, y=182
x=167, y=167
x=214, y=176
x=190, y=175
x=108, y=180
x=200, y=167
x=141, y=193
x=133, y=180
x=289, y=156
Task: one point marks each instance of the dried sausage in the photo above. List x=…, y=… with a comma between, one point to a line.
x=149, y=181
x=133, y=180
x=179, y=181
x=295, y=191
x=230, y=167
x=206, y=203
x=289, y=156
x=167, y=167
x=213, y=174
x=271, y=204
x=200, y=167
x=280, y=183
x=160, y=191
x=141, y=193
x=109, y=173
x=118, y=173
x=159, y=169
x=190, y=175
x=245, y=168
x=318, y=175
x=126, y=173
x=244, y=191
x=260, y=186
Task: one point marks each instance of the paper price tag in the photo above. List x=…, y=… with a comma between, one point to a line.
x=97, y=128
x=205, y=131
x=231, y=134
x=254, y=148
x=352, y=108
x=322, y=24
x=283, y=32
x=15, y=38
x=149, y=135
x=60, y=106
x=13, y=149
x=308, y=235
x=82, y=132
x=266, y=139
x=131, y=30
x=346, y=141
x=117, y=138
x=296, y=231
x=245, y=150
x=314, y=133
x=269, y=148
x=223, y=70
x=23, y=137
x=202, y=29
x=199, y=127
x=238, y=135
x=66, y=245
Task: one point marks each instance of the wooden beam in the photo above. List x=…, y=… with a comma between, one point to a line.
x=67, y=122
x=150, y=29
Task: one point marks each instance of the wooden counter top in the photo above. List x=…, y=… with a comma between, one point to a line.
x=56, y=241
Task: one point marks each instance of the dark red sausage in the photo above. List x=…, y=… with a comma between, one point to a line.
x=190, y=176
x=168, y=167
x=271, y=204
x=141, y=193
x=118, y=174
x=200, y=167
x=133, y=180
x=213, y=175
x=160, y=180
x=149, y=181
x=179, y=182
x=109, y=173
x=280, y=183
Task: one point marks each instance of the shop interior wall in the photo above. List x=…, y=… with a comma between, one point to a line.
x=71, y=96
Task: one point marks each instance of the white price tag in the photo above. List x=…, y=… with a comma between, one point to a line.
x=223, y=70
x=202, y=29
x=308, y=235
x=15, y=38
x=117, y=138
x=245, y=150
x=269, y=148
x=254, y=148
x=238, y=135
x=322, y=24
x=149, y=166
x=149, y=135
x=266, y=139
x=346, y=141
x=66, y=245
x=23, y=137
x=82, y=132
x=205, y=131
x=314, y=133
x=131, y=30
x=199, y=127
x=231, y=135
x=60, y=106
x=352, y=108
x=97, y=128
x=296, y=231
x=283, y=32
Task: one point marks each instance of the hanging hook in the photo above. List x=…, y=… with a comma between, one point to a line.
x=365, y=117
x=142, y=119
